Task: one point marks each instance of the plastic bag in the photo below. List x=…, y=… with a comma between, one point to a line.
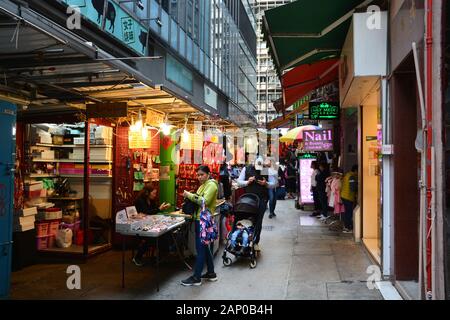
x=64, y=238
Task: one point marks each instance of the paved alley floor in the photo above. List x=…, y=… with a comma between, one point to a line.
x=300, y=260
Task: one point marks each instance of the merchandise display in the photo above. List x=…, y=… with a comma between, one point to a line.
x=146, y=225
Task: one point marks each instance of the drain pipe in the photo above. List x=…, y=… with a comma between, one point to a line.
x=429, y=150
x=423, y=174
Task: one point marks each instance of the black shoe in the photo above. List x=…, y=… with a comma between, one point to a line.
x=274, y=214
x=271, y=216
x=191, y=281
x=210, y=276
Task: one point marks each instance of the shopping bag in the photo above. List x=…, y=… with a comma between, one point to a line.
x=64, y=238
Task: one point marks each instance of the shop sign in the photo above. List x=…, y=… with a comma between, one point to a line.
x=136, y=141
x=318, y=140
x=324, y=110
x=307, y=156
x=107, y=110
x=210, y=97
x=301, y=121
x=305, y=180
x=118, y=22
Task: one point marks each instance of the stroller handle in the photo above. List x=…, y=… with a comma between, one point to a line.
x=250, y=195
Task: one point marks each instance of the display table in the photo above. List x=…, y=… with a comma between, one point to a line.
x=150, y=226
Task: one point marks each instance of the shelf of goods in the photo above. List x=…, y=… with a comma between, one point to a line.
x=72, y=145
x=70, y=161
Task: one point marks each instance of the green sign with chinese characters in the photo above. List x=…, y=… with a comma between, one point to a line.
x=119, y=23
x=324, y=110
x=307, y=156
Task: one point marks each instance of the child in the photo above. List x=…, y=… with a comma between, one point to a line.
x=242, y=228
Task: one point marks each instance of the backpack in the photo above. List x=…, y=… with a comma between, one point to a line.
x=208, y=226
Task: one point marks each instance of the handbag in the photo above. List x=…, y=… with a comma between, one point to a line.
x=208, y=226
x=189, y=207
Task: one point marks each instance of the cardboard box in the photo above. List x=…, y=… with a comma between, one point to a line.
x=78, y=140
x=59, y=140
x=48, y=155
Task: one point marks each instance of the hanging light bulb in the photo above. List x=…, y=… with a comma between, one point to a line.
x=133, y=125
x=144, y=133
x=139, y=123
x=185, y=135
x=165, y=128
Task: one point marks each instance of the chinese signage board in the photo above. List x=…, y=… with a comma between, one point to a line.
x=318, y=140
x=324, y=110
x=118, y=22
x=136, y=141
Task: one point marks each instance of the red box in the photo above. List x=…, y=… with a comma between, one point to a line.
x=42, y=229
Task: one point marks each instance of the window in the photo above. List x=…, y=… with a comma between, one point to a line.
x=173, y=34
x=179, y=74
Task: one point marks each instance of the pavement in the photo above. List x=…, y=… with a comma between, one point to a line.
x=301, y=259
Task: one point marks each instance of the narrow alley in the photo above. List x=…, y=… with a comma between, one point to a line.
x=300, y=260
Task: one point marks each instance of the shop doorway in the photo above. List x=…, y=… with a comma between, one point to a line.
x=406, y=118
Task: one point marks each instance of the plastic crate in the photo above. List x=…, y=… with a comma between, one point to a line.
x=42, y=229
x=51, y=241
x=53, y=227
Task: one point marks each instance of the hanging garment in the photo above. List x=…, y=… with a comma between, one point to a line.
x=336, y=185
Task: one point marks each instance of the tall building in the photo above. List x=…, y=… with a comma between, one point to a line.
x=216, y=38
x=268, y=84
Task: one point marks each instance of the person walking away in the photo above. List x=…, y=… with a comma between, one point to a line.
x=321, y=178
x=272, y=191
x=254, y=181
x=349, y=192
x=146, y=203
x=291, y=179
x=224, y=178
x=281, y=189
x=315, y=172
x=207, y=194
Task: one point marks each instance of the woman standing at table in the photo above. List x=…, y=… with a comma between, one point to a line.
x=146, y=203
x=207, y=192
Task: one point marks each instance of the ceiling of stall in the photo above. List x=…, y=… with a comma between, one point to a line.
x=46, y=74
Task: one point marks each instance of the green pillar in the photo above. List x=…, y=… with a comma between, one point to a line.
x=167, y=182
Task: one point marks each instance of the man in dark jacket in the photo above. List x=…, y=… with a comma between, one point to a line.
x=323, y=174
x=256, y=181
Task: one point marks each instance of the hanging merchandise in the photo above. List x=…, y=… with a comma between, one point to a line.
x=251, y=142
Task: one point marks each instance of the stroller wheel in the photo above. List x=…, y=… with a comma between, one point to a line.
x=253, y=264
x=227, y=262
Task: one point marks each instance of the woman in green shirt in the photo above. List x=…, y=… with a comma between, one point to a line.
x=208, y=193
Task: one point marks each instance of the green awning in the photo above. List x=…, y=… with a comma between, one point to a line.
x=306, y=31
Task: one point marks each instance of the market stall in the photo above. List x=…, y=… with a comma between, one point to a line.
x=130, y=223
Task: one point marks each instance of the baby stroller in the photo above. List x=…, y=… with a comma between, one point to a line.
x=247, y=207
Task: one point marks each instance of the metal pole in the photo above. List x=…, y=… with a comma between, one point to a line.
x=422, y=215
x=86, y=187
